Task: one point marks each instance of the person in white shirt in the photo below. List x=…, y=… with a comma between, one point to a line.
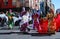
x=4, y=18
x=25, y=22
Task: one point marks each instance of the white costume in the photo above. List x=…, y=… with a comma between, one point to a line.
x=26, y=18
x=3, y=15
x=16, y=19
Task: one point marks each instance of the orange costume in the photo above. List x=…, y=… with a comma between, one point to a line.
x=52, y=26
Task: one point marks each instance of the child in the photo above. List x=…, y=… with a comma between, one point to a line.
x=35, y=21
x=24, y=22
x=10, y=20
x=58, y=22
x=43, y=25
x=51, y=23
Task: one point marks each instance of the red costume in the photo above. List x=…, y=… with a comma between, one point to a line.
x=58, y=22
x=43, y=26
x=35, y=21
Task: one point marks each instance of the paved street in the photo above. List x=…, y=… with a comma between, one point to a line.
x=26, y=36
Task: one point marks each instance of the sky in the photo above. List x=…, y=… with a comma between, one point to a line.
x=56, y=3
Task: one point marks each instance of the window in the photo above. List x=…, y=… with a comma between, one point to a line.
x=5, y=2
x=14, y=2
x=22, y=2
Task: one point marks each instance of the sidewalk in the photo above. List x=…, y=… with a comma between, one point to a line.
x=15, y=31
x=5, y=30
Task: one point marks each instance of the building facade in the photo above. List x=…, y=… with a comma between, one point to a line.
x=35, y=4
x=58, y=11
x=11, y=3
